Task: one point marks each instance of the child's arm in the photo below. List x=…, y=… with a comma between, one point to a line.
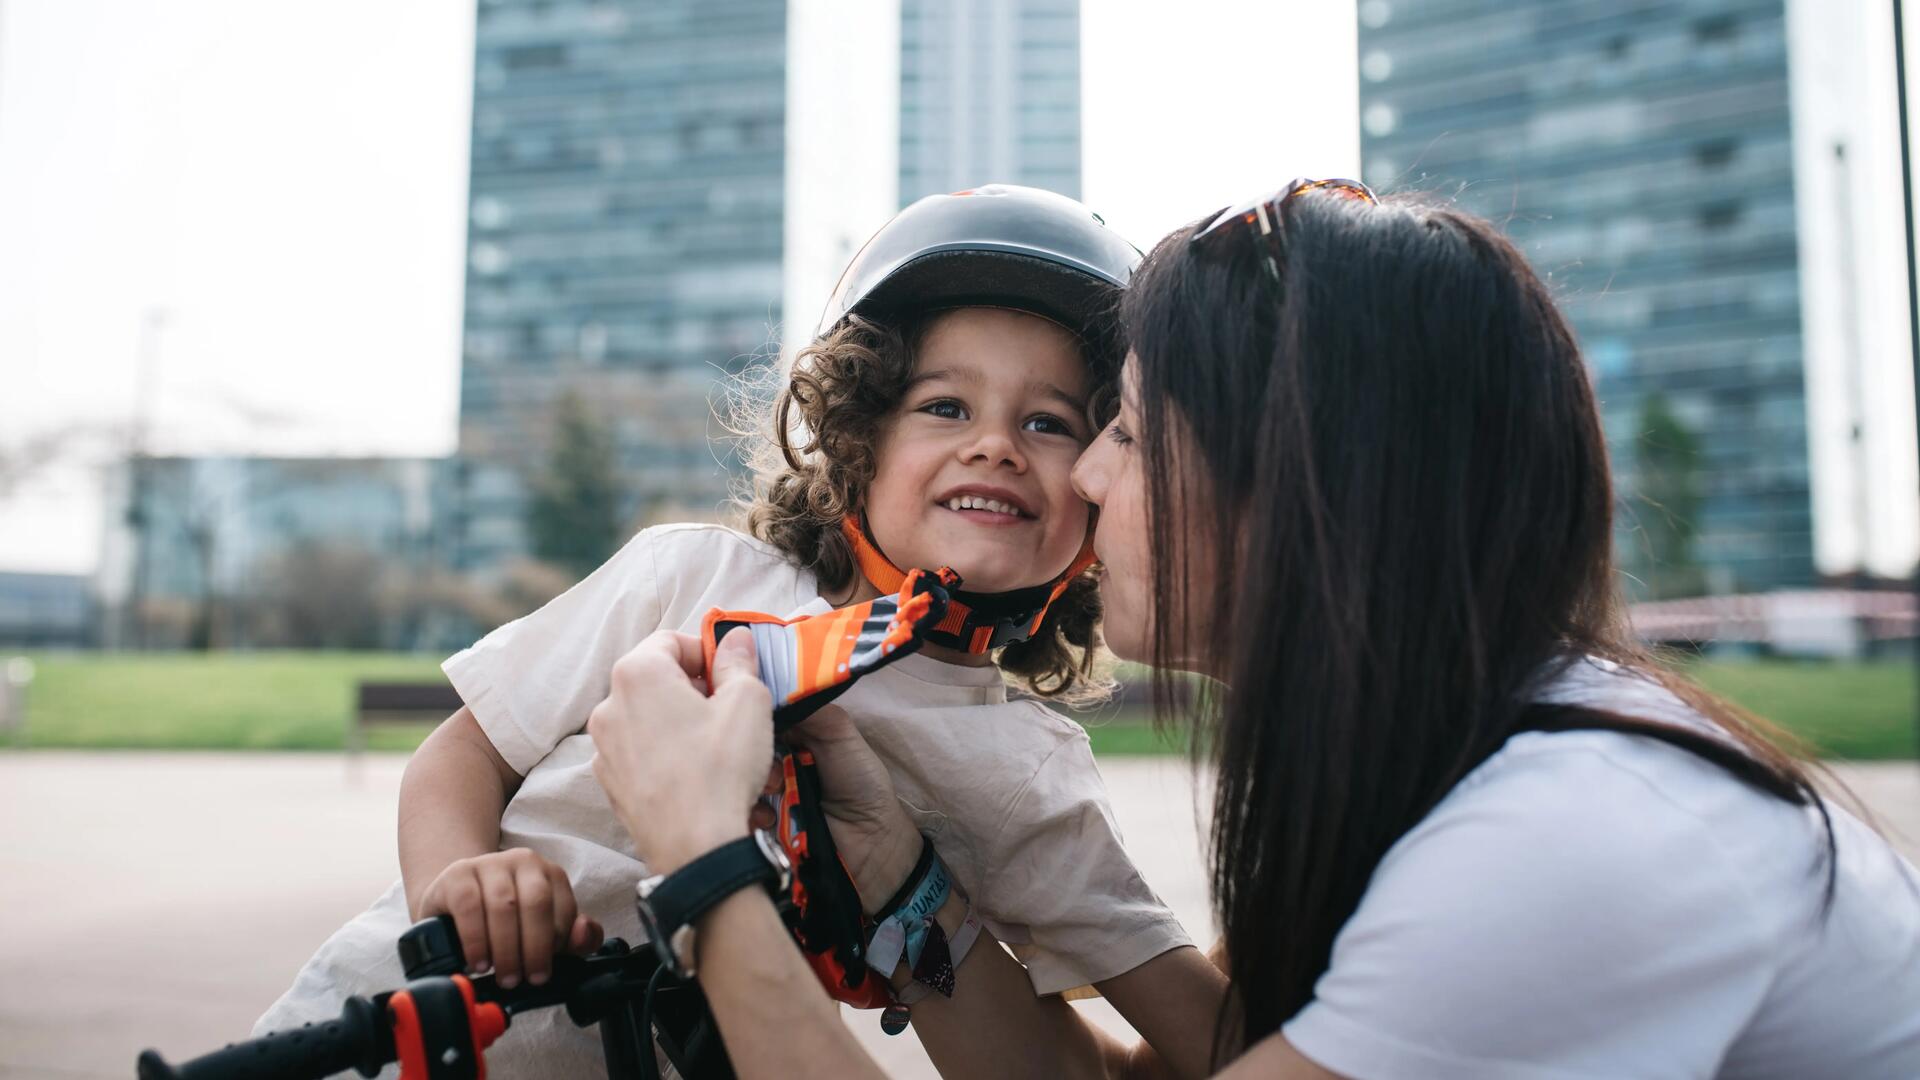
x=511, y=908
x=1173, y=1001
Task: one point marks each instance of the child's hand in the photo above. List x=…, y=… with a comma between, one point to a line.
x=512, y=909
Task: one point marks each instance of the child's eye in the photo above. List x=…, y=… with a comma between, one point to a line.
x=1119, y=434
x=1050, y=425
x=945, y=409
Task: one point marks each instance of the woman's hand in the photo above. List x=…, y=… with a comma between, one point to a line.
x=877, y=842
x=680, y=766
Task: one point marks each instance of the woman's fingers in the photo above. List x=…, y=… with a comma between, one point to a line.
x=663, y=668
x=678, y=766
x=681, y=650
x=736, y=672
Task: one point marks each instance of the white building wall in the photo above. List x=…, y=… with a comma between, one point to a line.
x=843, y=146
x=1853, y=281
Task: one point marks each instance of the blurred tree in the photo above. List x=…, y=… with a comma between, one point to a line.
x=573, y=516
x=22, y=460
x=1670, y=484
x=320, y=595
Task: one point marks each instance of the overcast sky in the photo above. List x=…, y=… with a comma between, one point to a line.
x=269, y=200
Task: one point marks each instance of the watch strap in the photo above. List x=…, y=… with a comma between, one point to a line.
x=692, y=890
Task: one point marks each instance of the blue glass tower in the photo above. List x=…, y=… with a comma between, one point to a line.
x=989, y=92
x=1642, y=156
x=625, y=238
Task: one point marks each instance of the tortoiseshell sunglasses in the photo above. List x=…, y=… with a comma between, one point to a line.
x=1264, y=213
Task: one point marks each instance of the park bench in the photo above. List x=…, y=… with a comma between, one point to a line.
x=398, y=704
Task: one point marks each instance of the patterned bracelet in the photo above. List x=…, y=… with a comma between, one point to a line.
x=942, y=981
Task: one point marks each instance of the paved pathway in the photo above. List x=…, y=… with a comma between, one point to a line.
x=165, y=899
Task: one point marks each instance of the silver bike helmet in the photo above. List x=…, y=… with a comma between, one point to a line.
x=1001, y=245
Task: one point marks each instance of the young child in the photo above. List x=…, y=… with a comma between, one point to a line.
x=963, y=363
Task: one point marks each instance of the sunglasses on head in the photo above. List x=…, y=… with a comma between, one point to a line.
x=1262, y=216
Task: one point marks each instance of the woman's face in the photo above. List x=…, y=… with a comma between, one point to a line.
x=1112, y=475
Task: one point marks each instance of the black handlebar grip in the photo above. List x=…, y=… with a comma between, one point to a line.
x=357, y=1040
x=431, y=947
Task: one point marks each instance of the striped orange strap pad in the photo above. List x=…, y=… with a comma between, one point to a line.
x=809, y=661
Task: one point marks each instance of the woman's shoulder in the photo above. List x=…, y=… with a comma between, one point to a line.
x=1603, y=772
x=1611, y=824
x=1593, y=873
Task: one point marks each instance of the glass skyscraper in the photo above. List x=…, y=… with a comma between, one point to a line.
x=989, y=92
x=1642, y=155
x=664, y=191
x=625, y=239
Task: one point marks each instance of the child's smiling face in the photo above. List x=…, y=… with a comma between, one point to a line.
x=974, y=468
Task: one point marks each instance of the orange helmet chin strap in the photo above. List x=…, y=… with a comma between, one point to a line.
x=975, y=622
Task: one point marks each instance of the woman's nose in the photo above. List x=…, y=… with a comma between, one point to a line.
x=1090, y=473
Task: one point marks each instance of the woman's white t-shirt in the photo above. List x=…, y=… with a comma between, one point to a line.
x=1597, y=905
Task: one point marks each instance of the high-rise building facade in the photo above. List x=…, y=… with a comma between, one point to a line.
x=989, y=92
x=625, y=238
x=664, y=192
x=1648, y=157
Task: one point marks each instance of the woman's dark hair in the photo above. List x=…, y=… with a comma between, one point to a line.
x=1399, y=444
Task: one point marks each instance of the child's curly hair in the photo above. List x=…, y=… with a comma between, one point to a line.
x=811, y=449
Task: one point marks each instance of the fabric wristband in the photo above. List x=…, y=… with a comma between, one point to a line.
x=902, y=925
x=921, y=865
x=957, y=948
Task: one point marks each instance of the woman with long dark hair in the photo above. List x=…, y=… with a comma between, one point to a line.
x=1463, y=826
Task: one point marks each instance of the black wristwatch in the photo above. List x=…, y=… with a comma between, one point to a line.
x=669, y=903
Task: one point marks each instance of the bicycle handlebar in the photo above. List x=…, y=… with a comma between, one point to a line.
x=438, y=1016
x=358, y=1040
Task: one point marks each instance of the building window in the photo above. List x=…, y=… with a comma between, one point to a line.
x=1715, y=154
x=490, y=259
x=532, y=57
x=1720, y=215
x=1717, y=28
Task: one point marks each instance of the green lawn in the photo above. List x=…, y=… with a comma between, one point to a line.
x=1861, y=712
x=176, y=701
x=303, y=701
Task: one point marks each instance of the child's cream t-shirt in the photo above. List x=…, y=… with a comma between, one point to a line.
x=1006, y=790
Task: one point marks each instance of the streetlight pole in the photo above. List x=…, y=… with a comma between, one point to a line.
x=139, y=514
x=1913, y=268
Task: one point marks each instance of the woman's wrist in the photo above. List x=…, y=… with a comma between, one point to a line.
x=683, y=845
